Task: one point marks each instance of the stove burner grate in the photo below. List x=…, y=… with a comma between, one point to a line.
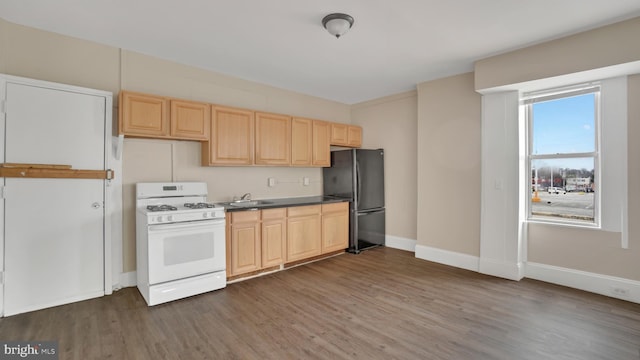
x=198, y=205
x=161, y=208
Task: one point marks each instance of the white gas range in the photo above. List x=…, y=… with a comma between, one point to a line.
x=180, y=242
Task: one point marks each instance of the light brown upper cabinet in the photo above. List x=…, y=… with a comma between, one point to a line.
x=144, y=115
x=339, y=134
x=190, y=120
x=231, y=137
x=321, y=146
x=301, y=141
x=273, y=139
x=346, y=135
x=354, y=136
x=310, y=142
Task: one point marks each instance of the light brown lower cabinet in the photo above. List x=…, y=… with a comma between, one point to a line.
x=335, y=227
x=245, y=244
x=274, y=236
x=303, y=232
x=259, y=239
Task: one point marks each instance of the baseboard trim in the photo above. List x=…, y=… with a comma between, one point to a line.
x=128, y=279
x=446, y=257
x=65, y=301
x=501, y=269
x=611, y=286
x=401, y=243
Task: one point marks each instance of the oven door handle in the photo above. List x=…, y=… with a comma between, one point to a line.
x=188, y=225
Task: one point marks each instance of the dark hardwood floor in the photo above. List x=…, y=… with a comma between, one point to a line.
x=380, y=304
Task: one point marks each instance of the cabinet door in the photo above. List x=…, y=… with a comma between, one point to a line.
x=230, y=139
x=301, y=142
x=274, y=235
x=190, y=120
x=143, y=115
x=335, y=227
x=354, y=136
x=245, y=247
x=303, y=233
x=273, y=139
x=321, y=145
x=339, y=134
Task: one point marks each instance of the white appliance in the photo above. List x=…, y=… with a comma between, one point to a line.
x=180, y=243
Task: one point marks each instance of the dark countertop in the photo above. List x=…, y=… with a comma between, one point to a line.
x=285, y=202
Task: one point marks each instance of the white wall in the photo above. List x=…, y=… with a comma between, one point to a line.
x=391, y=123
x=448, y=223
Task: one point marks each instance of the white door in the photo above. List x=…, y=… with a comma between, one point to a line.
x=53, y=228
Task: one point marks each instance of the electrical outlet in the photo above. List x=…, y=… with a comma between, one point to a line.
x=305, y=181
x=623, y=292
x=271, y=182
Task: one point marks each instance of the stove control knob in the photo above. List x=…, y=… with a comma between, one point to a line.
x=204, y=215
x=170, y=218
x=159, y=219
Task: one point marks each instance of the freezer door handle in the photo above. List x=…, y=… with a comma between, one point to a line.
x=371, y=212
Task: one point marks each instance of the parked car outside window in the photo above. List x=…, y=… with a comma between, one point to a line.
x=556, y=190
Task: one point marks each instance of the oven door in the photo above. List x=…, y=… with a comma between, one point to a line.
x=182, y=250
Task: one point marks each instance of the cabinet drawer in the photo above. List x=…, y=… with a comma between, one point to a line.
x=335, y=207
x=303, y=210
x=269, y=214
x=245, y=216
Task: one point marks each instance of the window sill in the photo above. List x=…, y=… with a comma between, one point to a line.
x=565, y=223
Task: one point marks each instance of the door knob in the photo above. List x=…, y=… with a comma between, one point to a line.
x=95, y=205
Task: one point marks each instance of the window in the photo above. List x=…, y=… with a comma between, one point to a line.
x=563, y=154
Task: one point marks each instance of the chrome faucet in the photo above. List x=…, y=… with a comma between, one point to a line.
x=245, y=197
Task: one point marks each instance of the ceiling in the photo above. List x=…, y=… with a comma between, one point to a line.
x=392, y=46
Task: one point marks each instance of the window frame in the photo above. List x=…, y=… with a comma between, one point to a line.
x=531, y=98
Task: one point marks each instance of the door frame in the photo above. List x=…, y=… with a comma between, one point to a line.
x=112, y=233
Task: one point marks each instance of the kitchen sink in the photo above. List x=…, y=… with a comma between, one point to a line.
x=247, y=203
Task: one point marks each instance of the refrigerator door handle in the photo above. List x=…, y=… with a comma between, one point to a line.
x=358, y=185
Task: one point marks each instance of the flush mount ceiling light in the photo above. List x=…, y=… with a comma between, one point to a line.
x=337, y=24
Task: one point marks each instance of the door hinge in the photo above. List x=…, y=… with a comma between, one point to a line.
x=1, y=277
x=3, y=106
x=3, y=191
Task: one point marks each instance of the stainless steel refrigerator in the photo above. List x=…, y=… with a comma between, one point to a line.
x=358, y=175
